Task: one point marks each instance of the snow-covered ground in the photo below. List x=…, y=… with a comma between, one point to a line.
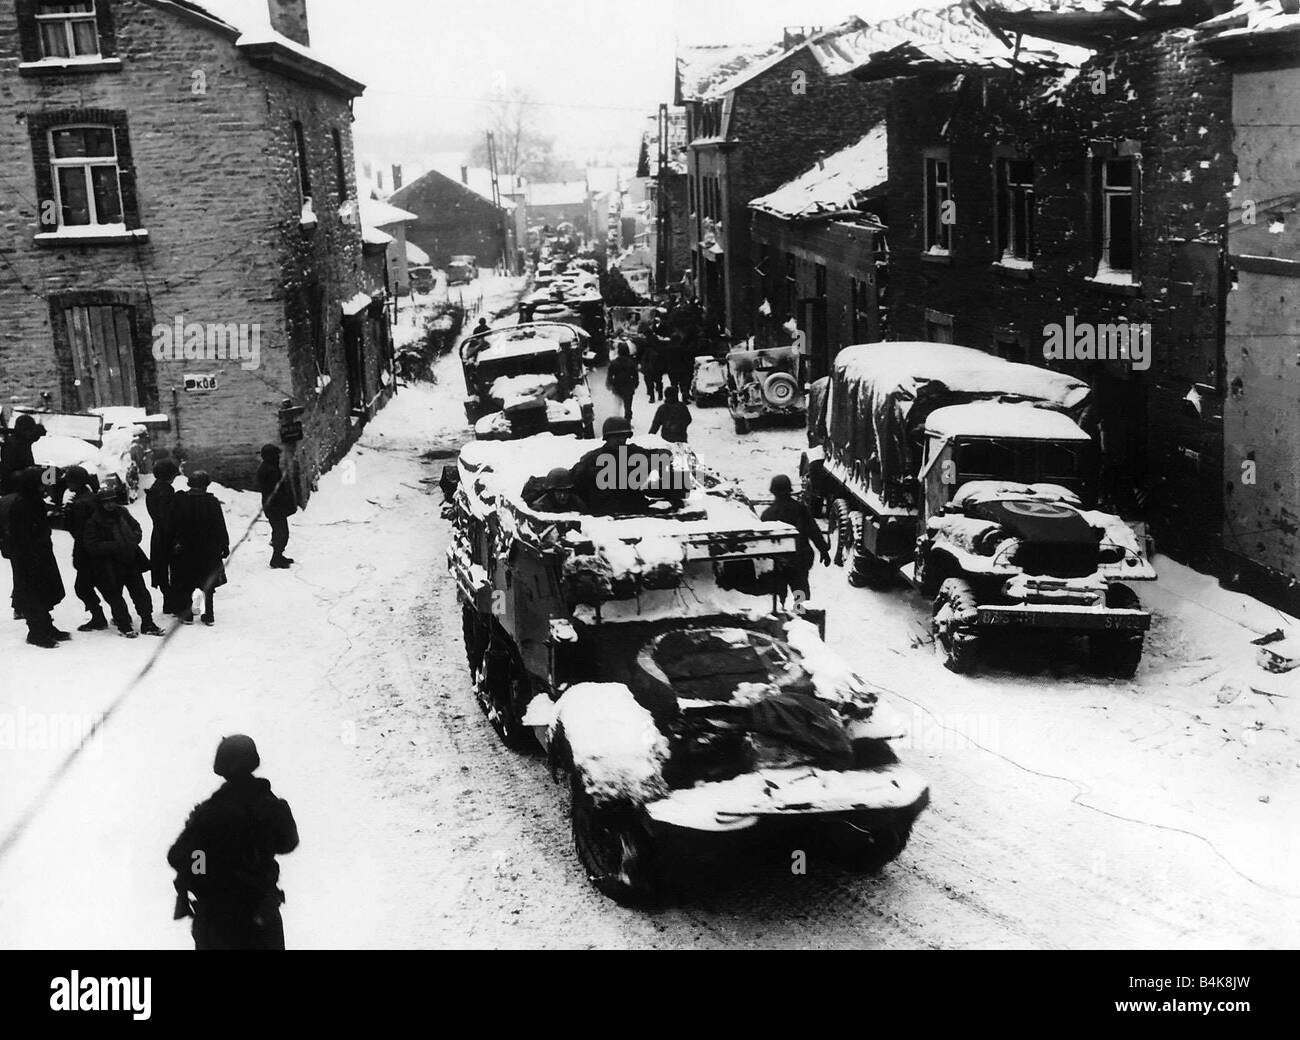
x=1065, y=811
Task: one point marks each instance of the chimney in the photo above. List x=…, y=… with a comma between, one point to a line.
x=289, y=18
x=397, y=176
x=464, y=176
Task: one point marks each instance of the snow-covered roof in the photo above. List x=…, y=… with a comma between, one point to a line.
x=952, y=37
x=835, y=183
x=416, y=255
x=379, y=214
x=251, y=19
x=997, y=419
x=372, y=236
x=357, y=304
x=702, y=69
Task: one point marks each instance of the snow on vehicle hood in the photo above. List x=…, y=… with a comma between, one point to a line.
x=617, y=748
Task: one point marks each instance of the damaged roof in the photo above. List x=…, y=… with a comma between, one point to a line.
x=718, y=70
x=1253, y=22
x=834, y=184
x=951, y=39
x=1097, y=23
x=701, y=69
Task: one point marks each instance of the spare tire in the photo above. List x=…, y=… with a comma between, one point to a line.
x=780, y=389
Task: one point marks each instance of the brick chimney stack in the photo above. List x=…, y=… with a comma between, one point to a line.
x=464, y=175
x=289, y=18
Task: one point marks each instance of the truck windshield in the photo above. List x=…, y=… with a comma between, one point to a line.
x=1069, y=463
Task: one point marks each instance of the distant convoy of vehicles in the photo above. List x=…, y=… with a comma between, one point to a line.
x=645, y=650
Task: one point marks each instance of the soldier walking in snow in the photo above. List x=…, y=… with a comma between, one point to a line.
x=622, y=379
x=792, y=575
x=225, y=856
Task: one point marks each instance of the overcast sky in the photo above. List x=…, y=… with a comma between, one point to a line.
x=596, y=67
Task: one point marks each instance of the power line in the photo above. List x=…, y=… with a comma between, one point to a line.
x=645, y=110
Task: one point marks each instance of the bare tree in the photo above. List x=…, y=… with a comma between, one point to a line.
x=522, y=150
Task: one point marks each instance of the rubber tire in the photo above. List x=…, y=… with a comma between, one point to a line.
x=1117, y=654
x=741, y=424
x=961, y=651
x=637, y=884
x=780, y=389
x=841, y=518
x=866, y=852
x=506, y=685
x=871, y=572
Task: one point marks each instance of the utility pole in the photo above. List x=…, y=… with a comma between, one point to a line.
x=663, y=224
x=507, y=259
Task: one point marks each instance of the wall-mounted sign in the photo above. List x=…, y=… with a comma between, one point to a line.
x=200, y=383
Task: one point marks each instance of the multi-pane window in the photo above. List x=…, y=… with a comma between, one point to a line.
x=68, y=29
x=938, y=205
x=1117, y=213
x=86, y=176
x=1015, y=209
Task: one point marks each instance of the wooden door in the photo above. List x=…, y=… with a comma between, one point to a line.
x=103, y=355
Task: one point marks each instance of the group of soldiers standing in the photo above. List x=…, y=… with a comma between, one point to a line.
x=188, y=545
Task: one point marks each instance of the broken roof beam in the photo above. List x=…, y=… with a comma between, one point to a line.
x=1095, y=29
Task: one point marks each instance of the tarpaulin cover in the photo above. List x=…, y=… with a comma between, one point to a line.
x=880, y=394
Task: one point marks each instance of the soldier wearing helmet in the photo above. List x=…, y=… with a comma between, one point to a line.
x=792, y=572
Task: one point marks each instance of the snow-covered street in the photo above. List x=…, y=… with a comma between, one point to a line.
x=1066, y=811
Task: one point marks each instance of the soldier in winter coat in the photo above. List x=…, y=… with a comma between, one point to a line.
x=278, y=503
x=200, y=545
x=225, y=856
x=159, y=499
x=111, y=539
x=38, y=586
x=792, y=575
x=83, y=487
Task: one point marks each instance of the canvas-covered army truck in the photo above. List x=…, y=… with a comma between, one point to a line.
x=526, y=379
x=970, y=477
x=645, y=653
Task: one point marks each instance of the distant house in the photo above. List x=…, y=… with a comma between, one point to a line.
x=182, y=231
x=451, y=219
x=554, y=203
x=821, y=259
x=390, y=219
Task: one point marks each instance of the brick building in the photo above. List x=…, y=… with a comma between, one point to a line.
x=1027, y=196
x=452, y=219
x=821, y=253
x=756, y=117
x=177, y=192
x=1260, y=43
